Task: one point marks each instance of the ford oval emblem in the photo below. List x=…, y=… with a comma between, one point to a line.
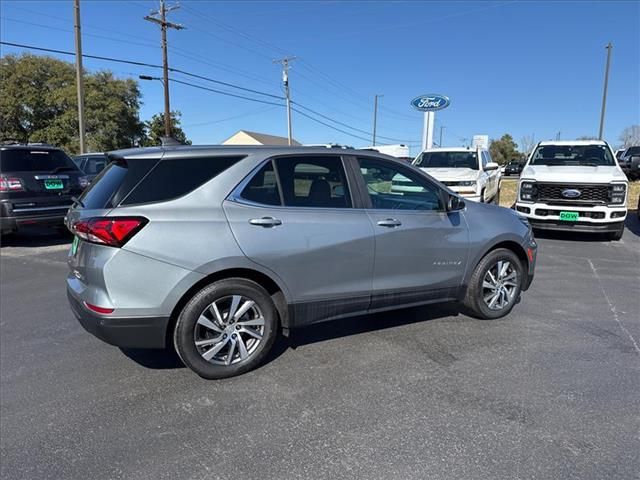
x=430, y=102
x=571, y=193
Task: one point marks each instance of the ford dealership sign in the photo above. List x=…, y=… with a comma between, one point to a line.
x=430, y=102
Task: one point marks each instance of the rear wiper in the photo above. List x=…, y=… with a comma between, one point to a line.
x=78, y=201
x=61, y=169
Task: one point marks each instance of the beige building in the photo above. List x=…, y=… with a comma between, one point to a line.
x=244, y=137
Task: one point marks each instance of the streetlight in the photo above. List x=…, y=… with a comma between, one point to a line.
x=149, y=77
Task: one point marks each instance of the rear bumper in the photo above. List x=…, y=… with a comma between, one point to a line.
x=132, y=332
x=10, y=224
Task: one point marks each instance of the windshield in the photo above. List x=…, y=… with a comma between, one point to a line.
x=632, y=151
x=23, y=160
x=447, y=160
x=572, y=155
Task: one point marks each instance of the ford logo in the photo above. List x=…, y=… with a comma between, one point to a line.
x=571, y=193
x=430, y=102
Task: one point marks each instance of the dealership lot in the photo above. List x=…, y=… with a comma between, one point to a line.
x=549, y=392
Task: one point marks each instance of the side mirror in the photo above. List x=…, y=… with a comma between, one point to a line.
x=455, y=204
x=491, y=166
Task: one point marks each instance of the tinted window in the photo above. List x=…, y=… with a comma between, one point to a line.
x=632, y=151
x=173, y=178
x=392, y=188
x=313, y=182
x=438, y=159
x=24, y=160
x=263, y=187
x=115, y=181
x=94, y=165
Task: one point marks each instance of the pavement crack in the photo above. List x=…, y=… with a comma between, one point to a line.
x=612, y=307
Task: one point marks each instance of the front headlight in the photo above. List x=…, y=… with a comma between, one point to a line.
x=469, y=183
x=617, y=193
x=527, y=191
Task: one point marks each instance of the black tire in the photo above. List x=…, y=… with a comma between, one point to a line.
x=187, y=326
x=496, y=198
x=474, y=298
x=617, y=235
x=482, y=199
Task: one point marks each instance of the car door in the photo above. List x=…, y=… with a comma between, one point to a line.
x=421, y=249
x=296, y=217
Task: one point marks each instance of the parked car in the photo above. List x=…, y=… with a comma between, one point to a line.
x=37, y=185
x=625, y=160
x=91, y=164
x=620, y=153
x=217, y=249
x=514, y=167
x=575, y=186
x=468, y=171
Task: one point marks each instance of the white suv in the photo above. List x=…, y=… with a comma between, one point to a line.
x=574, y=185
x=468, y=171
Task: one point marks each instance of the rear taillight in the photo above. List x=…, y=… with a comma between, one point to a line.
x=111, y=231
x=11, y=184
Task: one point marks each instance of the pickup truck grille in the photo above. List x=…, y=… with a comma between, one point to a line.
x=589, y=194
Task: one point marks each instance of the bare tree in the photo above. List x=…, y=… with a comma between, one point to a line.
x=630, y=136
x=527, y=142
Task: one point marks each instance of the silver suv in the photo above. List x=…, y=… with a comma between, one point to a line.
x=217, y=249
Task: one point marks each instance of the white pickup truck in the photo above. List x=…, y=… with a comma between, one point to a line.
x=575, y=186
x=468, y=171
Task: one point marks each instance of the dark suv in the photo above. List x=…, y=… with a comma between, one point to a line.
x=37, y=183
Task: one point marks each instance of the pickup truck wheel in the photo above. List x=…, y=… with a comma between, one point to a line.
x=495, y=285
x=226, y=329
x=496, y=198
x=617, y=235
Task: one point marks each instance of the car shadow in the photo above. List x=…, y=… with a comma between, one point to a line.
x=367, y=323
x=31, y=237
x=167, y=359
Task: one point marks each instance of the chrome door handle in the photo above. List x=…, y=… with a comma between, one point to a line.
x=390, y=223
x=265, y=222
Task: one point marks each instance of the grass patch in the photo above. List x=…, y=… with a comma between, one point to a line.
x=509, y=187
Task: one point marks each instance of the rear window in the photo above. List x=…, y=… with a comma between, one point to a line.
x=632, y=151
x=25, y=160
x=144, y=181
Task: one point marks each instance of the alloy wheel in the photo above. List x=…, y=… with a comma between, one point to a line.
x=229, y=330
x=500, y=285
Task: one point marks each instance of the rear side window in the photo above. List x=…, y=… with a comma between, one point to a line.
x=173, y=178
x=311, y=181
x=24, y=160
x=263, y=187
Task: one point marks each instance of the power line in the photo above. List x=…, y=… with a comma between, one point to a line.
x=229, y=94
x=349, y=126
x=329, y=126
x=142, y=64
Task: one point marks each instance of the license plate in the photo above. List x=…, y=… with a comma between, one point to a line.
x=569, y=216
x=53, y=184
x=74, y=245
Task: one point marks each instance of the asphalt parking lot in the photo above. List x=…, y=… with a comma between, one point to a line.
x=550, y=392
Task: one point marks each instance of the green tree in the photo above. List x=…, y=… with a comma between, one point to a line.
x=504, y=150
x=155, y=130
x=39, y=104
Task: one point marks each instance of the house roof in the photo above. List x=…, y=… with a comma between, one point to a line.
x=265, y=139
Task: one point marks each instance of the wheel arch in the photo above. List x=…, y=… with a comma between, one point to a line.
x=508, y=244
x=275, y=290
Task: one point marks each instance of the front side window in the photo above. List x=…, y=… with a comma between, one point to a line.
x=572, y=155
x=313, y=181
x=443, y=159
x=392, y=188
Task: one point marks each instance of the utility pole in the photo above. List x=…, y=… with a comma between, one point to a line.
x=442, y=127
x=375, y=116
x=162, y=21
x=285, y=83
x=558, y=136
x=79, y=77
x=609, y=47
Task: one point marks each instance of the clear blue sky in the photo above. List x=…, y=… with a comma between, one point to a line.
x=508, y=66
